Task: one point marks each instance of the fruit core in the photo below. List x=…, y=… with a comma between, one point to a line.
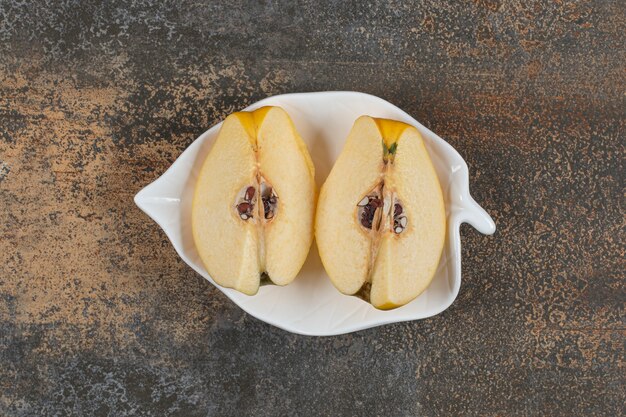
x=248, y=207
x=257, y=202
x=247, y=204
x=380, y=211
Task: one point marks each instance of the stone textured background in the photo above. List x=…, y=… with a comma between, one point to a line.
x=98, y=315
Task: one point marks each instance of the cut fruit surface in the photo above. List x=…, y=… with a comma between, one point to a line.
x=380, y=223
x=254, y=201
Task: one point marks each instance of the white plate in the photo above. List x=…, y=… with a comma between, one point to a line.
x=311, y=305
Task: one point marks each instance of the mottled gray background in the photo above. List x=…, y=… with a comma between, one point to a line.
x=98, y=316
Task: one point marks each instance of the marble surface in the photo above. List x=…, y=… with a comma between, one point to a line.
x=98, y=316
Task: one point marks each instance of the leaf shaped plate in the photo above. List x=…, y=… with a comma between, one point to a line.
x=311, y=305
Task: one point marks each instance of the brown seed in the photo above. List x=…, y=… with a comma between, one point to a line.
x=250, y=193
x=376, y=202
x=244, y=208
x=266, y=209
x=397, y=209
x=367, y=217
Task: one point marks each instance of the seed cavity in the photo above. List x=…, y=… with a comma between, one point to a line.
x=270, y=201
x=399, y=221
x=246, y=202
x=367, y=212
x=374, y=211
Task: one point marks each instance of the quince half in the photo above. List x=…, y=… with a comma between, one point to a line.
x=381, y=220
x=254, y=202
